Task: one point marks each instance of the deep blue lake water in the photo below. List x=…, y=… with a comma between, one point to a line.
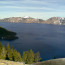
x=48, y=39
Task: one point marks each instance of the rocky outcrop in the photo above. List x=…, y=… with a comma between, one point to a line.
x=52, y=62
x=60, y=61
x=53, y=20
x=56, y=20
x=5, y=62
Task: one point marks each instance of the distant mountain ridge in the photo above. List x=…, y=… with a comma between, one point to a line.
x=53, y=20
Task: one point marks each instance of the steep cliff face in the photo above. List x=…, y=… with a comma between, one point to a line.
x=22, y=19
x=56, y=20
x=53, y=20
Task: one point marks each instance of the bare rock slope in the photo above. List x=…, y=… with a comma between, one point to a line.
x=52, y=62
x=5, y=62
x=60, y=61
x=53, y=20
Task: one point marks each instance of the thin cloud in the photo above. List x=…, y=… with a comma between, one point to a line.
x=33, y=6
x=41, y=15
x=27, y=7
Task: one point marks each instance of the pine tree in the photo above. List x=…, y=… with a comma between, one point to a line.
x=8, y=47
x=16, y=56
x=19, y=57
x=0, y=45
x=37, y=57
x=8, y=51
x=10, y=56
x=24, y=57
x=31, y=57
x=0, y=48
x=3, y=53
x=27, y=55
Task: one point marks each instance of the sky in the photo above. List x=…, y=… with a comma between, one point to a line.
x=42, y=9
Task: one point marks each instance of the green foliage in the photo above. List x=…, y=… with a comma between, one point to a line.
x=7, y=35
x=30, y=57
x=9, y=53
x=0, y=48
x=10, y=56
x=16, y=56
x=37, y=57
x=0, y=45
x=8, y=47
x=3, y=53
x=24, y=57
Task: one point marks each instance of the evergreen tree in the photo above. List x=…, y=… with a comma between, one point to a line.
x=37, y=57
x=0, y=48
x=24, y=57
x=3, y=53
x=31, y=57
x=27, y=59
x=0, y=45
x=8, y=51
x=8, y=47
x=16, y=56
x=19, y=57
x=10, y=56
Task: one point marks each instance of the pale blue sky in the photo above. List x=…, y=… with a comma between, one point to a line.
x=43, y=9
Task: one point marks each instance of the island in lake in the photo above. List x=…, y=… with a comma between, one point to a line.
x=7, y=35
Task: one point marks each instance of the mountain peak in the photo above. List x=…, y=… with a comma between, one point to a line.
x=26, y=17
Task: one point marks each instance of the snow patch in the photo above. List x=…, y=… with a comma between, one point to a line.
x=26, y=17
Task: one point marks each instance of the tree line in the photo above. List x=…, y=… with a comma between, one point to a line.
x=30, y=57
x=9, y=53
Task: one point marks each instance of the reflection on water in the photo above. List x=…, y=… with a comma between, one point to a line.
x=49, y=40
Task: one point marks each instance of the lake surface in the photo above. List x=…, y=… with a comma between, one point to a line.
x=48, y=39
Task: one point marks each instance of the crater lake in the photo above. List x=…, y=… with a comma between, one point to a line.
x=48, y=39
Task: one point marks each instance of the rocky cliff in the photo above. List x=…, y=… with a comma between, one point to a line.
x=22, y=19
x=53, y=20
x=56, y=20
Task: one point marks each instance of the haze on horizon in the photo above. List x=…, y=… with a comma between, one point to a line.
x=43, y=9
